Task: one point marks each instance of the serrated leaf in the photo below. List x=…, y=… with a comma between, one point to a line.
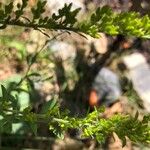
x=24, y=3
x=39, y=10
x=8, y=8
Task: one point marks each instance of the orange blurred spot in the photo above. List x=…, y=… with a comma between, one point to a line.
x=32, y=2
x=93, y=98
x=126, y=45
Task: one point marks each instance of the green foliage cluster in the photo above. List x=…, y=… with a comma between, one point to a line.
x=94, y=125
x=124, y=23
x=102, y=20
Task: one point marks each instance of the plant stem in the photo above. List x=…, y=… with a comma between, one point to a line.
x=37, y=26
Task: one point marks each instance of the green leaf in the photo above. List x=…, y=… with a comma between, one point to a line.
x=34, y=128
x=124, y=141
x=48, y=106
x=3, y=122
x=27, y=110
x=39, y=10
x=24, y=3
x=8, y=8
x=31, y=59
x=2, y=16
x=136, y=115
x=66, y=17
x=5, y=95
x=30, y=83
x=5, y=126
x=57, y=131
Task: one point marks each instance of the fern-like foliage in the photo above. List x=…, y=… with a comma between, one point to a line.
x=93, y=125
x=125, y=23
x=102, y=20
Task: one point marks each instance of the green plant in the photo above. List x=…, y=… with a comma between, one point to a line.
x=93, y=125
x=102, y=20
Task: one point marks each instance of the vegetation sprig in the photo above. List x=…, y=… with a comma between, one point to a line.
x=104, y=20
x=93, y=125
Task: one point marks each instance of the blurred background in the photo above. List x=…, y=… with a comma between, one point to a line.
x=78, y=72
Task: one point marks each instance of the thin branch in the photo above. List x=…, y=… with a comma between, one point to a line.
x=36, y=55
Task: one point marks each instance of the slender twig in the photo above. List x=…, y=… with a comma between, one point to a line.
x=36, y=55
x=36, y=26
